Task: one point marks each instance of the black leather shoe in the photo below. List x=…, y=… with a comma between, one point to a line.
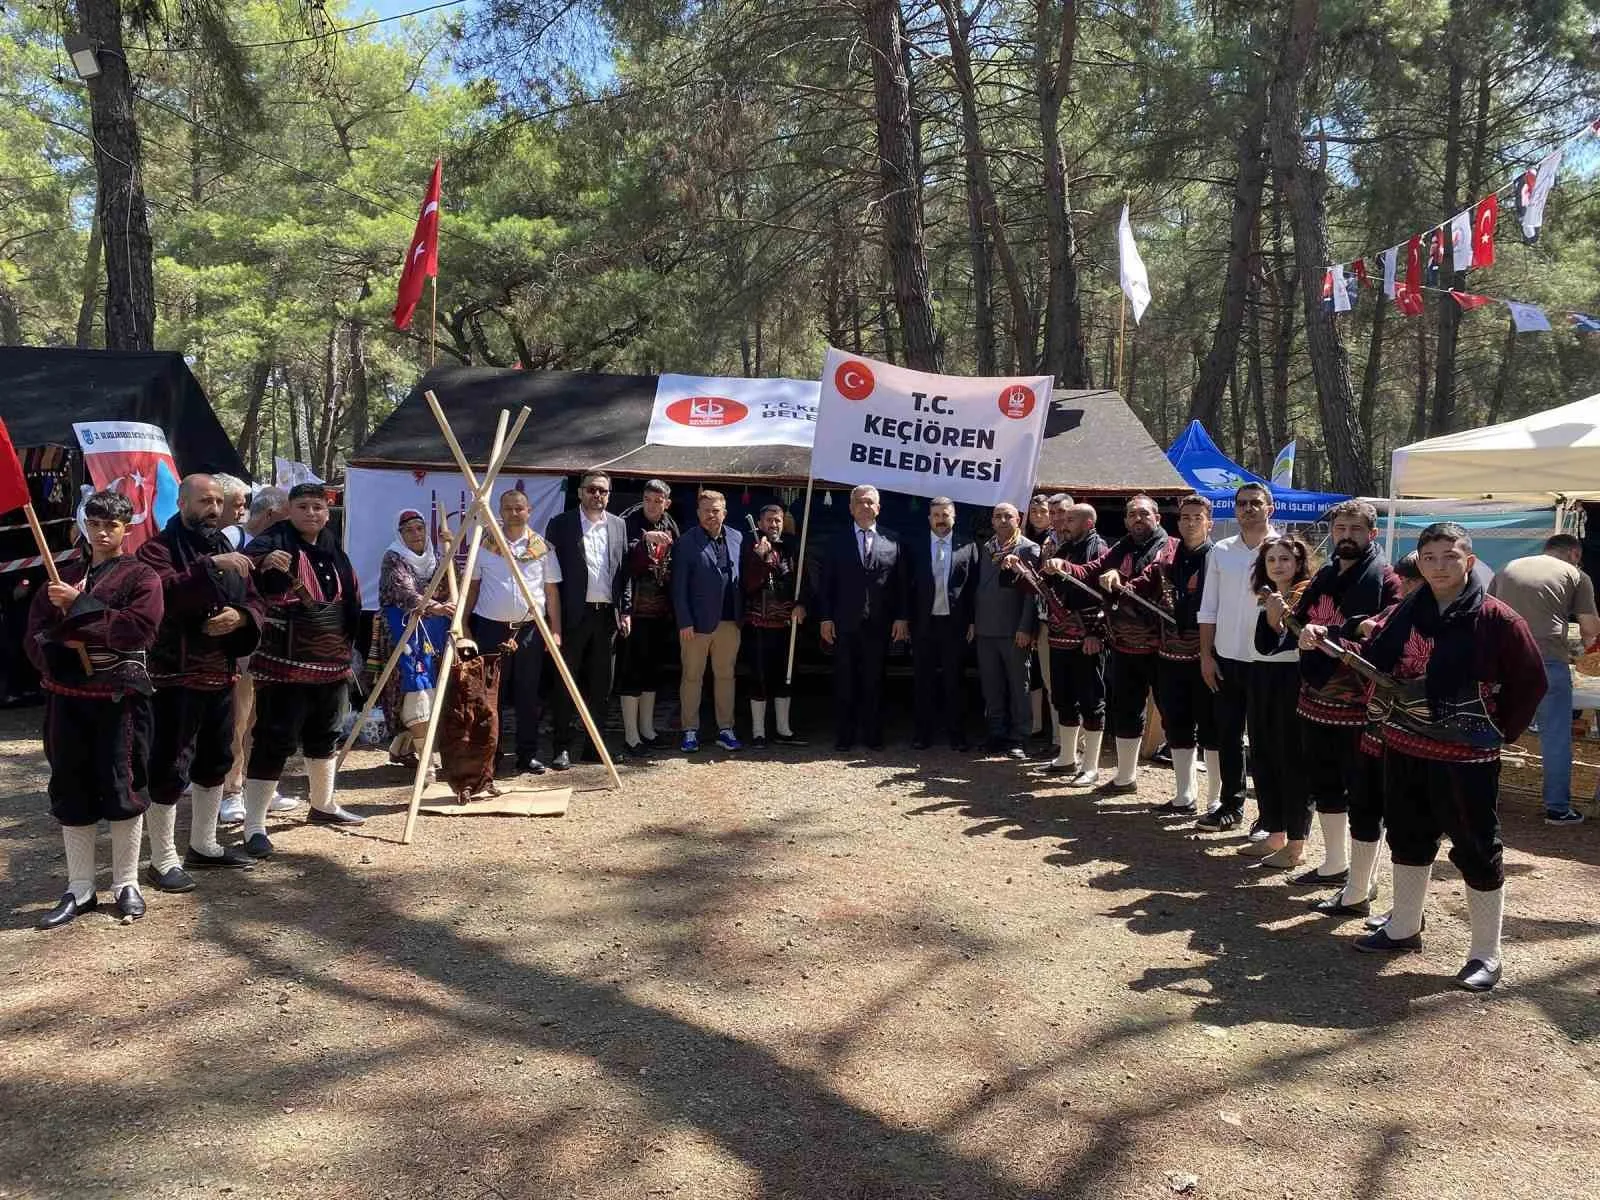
x=129, y=902
x=1169, y=809
x=1477, y=976
x=530, y=766
x=788, y=739
x=339, y=816
x=758, y=742
x=1332, y=906
x=258, y=845
x=1379, y=942
x=841, y=746
x=231, y=857
x=1113, y=788
x=920, y=743
x=961, y=746
x=561, y=762
x=173, y=879
x=1312, y=879
x=875, y=745
x=67, y=910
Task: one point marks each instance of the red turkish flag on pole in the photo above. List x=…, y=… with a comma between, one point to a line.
x=13, y=483
x=422, y=261
x=1483, y=222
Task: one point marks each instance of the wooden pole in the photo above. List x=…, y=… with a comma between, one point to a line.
x=54, y=575
x=448, y=658
x=799, y=576
x=433, y=319
x=491, y=524
x=442, y=572
x=1122, y=321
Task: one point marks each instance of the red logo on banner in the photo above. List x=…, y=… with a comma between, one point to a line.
x=706, y=412
x=1016, y=402
x=854, y=380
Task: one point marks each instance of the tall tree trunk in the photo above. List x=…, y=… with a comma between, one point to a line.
x=1502, y=377
x=1064, y=355
x=1303, y=187
x=1373, y=375
x=1419, y=409
x=1444, y=374
x=360, y=395
x=125, y=228
x=89, y=289
x=901, y=185
x=10, y=317
x=1250, y=173
x=1236, y=416
x=1255, y=384
x=250, y=431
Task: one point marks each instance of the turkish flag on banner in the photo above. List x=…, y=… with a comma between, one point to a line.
x=13, y=483
x=1483, y=223
x=133, y=458
x=422, y=260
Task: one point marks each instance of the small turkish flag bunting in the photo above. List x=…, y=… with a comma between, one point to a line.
x=1483, y=223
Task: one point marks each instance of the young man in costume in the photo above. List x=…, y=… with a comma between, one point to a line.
x=768, y=576
x=1077, y=631
x=97, y=723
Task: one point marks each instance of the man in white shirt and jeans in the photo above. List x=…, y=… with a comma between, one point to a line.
x=501, y=617
x=1228, y=612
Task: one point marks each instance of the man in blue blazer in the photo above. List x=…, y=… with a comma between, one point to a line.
x=709, y=603
x=861, y=603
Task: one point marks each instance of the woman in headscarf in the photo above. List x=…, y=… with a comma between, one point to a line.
x=407, y=568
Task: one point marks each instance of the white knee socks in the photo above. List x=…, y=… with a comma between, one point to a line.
x=161, y=826
x=780, y=712
x=319, y=773
x=647, y=716
x=1487, y=912
x=1410, y=895
x=630, y=719
x=1127, y=760
x=1335, y=842
x=1183, y=776
x=1363, y=869
x=204, y=803
x=125, y=853
x=1091, y=749
x=80, y=860
x=1067, y=739
x=758, y=718
x=1213, y=778
x=258, y=795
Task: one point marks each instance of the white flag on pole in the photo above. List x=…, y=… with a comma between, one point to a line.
x=1340, y=290
x=289, y=473
x=1528, y=318
x=1283, y=467
x=1135, y=280
x=1389, y=256
x=1461, y=240
x=1544, y=179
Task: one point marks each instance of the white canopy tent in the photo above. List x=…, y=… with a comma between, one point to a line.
x=1552, y=456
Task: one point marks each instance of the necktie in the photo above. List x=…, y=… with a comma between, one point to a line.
x=866, y=546
x=941, y=584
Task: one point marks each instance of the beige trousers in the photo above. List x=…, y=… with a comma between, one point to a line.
x=723, y=648
x=244, y=719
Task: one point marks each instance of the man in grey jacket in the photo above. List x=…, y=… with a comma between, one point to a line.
x=1006, y=619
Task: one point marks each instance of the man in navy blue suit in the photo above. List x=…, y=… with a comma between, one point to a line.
x=709, y=602
x=943, y=571
x=861, y=603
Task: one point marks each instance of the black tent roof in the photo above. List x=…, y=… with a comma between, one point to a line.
x=43, y=391
x=1093, y=442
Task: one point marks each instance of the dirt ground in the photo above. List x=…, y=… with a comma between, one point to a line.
x=784, y=976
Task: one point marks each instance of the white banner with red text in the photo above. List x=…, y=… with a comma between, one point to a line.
x=974, y=440
x=705, y=410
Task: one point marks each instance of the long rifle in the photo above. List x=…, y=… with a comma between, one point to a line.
x=1118, y=594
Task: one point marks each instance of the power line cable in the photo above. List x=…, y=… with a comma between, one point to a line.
x=315, y=37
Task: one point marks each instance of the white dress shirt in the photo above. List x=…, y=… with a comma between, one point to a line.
x=941, y=572
x=1227, y=601
x=499, y=597
x=596, y=555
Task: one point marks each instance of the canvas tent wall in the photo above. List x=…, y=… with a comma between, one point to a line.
x=43, y=391
x=1549, y=457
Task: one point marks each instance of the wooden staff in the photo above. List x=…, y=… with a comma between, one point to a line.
x=442, y=572
x=491, y=524
x=448, y=658
x=799, y=575
x=54, y=576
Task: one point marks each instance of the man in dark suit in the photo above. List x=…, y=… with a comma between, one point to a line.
x=709, y=602
x=591, y=545
x=861, y=603
x=943, y=572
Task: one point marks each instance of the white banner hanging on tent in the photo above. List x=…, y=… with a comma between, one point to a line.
x=705, y=410
x=974, y=440
x=374, y=498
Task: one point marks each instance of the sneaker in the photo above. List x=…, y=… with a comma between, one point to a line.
x=727, y=740
x=1257, y=832
x=231, y=811
x=283, y=803
x=691, y=741
x=1571, y=817
x=1218, y=820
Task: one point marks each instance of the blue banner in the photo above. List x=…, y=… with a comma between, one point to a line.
x=1216, y=477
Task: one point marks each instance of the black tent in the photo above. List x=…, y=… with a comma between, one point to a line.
x=42, y=392
x=1094, y=445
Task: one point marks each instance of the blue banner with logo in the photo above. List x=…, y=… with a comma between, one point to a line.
x=1216, y=477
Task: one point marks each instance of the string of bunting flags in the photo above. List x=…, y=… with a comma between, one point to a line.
x=1466, y=242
